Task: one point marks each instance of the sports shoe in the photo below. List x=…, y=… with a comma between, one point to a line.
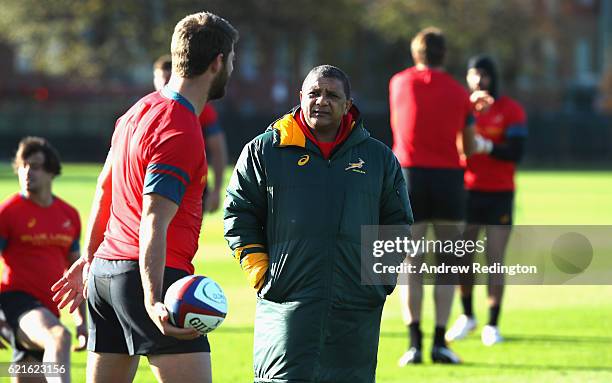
x=461, y=328
x=412, y=356
x=443, y=354
x=490, y=335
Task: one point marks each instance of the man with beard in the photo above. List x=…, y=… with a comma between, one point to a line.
x=145, y=219
x=295, y=206
x=501, y=125
x=214, y=137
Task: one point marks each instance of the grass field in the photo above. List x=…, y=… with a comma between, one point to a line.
x=553, y=333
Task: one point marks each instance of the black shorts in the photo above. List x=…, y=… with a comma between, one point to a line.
x=118, y=320
x=13, y=304
x=436, y=194
x=490, y=208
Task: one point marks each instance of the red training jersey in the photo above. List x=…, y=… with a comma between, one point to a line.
x=428, y=109
x=209, y=121
x=157, y=147
x=505, y=118
x=35, y=242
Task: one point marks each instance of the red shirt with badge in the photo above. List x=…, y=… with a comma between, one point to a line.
x=428, y=109
x=157, y=147
x=35, y=242
x=505, y=118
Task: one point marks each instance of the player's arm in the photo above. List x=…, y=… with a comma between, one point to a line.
x=72, y=287
x=512, y=147
x=157, y=213
x=80, y=315
x=217, y=148
x=100, y=209
x=245, y=214
x=469, y=145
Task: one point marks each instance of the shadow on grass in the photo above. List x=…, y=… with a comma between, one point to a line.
x=551, y=367
x=527, y=338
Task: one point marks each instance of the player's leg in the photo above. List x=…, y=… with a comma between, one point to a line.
x=13, y=305
x=411, y=286
x=497, y=240
x=39, y=329
x=109, y=367
x=169, y=357
x=108, y=359
x=183, y=368
x=449, y=198
x=466, y=322
x=411, y=302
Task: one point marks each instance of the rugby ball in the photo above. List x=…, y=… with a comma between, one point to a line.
x=196, y=301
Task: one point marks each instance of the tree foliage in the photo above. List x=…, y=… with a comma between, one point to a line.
x=112, y=38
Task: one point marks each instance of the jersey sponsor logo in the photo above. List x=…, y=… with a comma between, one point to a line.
x=47, y=239
x=356, y=166
x=31, y=223
x=303, y=160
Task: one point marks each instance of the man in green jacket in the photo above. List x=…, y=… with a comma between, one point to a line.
x=295, y=205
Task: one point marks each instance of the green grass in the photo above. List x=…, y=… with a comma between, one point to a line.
x=553, y=333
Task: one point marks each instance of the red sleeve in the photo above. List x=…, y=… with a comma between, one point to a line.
x=208, y=117
x=172, y=164
x=76, y=240
x=4, y=224
x=516, y=114
x=469, y=108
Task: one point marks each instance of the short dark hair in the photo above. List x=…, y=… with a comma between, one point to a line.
x=428, y=47
x=164, y=63
x=197, y=40
x=330, y=71
x=31, y=145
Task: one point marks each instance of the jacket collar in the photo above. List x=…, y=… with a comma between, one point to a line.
x=287, y=133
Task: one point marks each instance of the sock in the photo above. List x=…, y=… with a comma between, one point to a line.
x=493, y=315
x=439, y=336
x=416, y=336
x=467, y=305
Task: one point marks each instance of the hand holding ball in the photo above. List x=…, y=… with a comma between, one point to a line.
x=196, y=301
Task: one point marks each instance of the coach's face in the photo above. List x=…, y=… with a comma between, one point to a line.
x=217, y=88
x=323, y=103
x=32, y=175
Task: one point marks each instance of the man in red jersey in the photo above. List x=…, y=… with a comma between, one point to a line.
x=146, y=217
x=489, y=178
x=429, y=111
x=214, y=137
x=39, y=238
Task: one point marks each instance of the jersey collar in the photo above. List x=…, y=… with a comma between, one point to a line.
x=169, y=93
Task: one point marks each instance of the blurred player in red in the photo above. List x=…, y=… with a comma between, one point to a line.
x=430, y=111
x=489, y=178
x=39, y=239
x=214, y=137
x=146, y=217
